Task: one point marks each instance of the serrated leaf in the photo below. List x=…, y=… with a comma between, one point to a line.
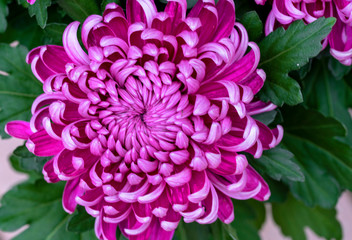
x=286, y=50
x=4, y=11
x=277, y=163
x=292, y=216
x=324, y=91
x=18, y=86
x=319, y=187
x=39, y=9
x=310, y=136
x=253, y=25
x=250, y=215
x=39, y=205
x=79, y=10
x=80, y=221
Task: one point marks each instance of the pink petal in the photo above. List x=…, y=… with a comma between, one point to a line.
x=157, y=232
x=178, y=197
x=226, y=213
x=54, y=58
x=225, y=25
x=31, y=2
x=72, y=46
x=19, y=129
x=87, y=26
x=140, y=11
x=153, y=193
x=211, y=204
x=170, y=221
x=105, y=230
x=199, y=186
x=180, y=178
x=48, y=171
x=41, y=144
x=72, y=190
x=231, y=163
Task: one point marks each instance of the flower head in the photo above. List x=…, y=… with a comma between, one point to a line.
x=147, y=126
x=340, y=39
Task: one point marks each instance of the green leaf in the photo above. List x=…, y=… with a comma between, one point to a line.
x=292, y=216
x=337, y=69
x=222, y=231
x=324, y=91
x=312, y=137
x=253, y=25
x=266, y=118
x=29, y=34
x=215, y=231
x=79, y=10
x=4, y=11
x=303, y=71
x=286, y=50
x=242, y=7
x=39, y=205
x=277, y=163
x=249, y=217
x=279, y=190
x=18, y=86
x=80, y=221
x=230, y=231
x=54, y=33
x=319, y=187
x=38, y=9
x=191, y=3
x=28, y=161
x=191, y=231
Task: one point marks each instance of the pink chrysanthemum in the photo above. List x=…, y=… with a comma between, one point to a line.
x=148, y=126
x=285, y=12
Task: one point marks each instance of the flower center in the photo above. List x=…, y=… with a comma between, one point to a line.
x=143, y=119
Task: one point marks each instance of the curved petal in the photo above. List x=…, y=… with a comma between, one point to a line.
x=72, y=46
x=48, y=172
x=226, y=213
x=199, y=186
x=140, y=11
x=211, y=204
x=72, y=190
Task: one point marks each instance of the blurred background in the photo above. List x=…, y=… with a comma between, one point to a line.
x=269, y=231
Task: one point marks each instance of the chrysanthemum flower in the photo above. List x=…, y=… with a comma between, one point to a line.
x=150, y=124
x=285, y=12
